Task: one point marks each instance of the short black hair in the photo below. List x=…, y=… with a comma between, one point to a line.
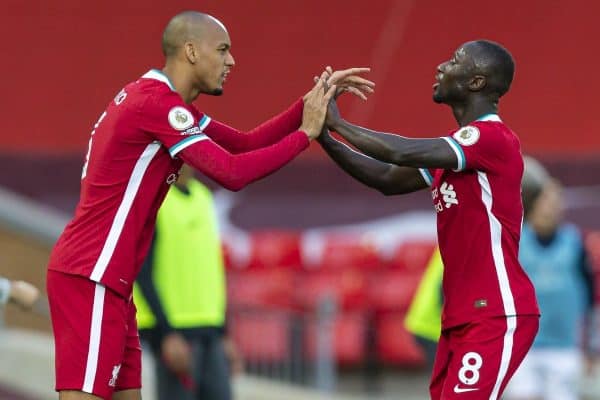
x=496, y=63
x=535, y=177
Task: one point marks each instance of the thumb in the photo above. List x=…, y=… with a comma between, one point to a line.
x=330, y=93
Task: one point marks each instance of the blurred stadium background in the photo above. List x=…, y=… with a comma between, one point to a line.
x=320, y=269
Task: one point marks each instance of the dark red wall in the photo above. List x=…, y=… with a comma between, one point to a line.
x=62, y=62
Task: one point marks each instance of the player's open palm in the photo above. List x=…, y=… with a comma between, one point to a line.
x=315, y=108
x=350, y=80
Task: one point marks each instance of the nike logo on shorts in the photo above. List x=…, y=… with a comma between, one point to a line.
x=458, y=389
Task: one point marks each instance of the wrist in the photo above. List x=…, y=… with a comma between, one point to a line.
x=309, y=132
x=336, y=124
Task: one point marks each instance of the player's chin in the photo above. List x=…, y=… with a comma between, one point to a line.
x=217, y=91
x=437, y=98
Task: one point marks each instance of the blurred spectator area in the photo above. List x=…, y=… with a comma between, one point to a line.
x=277, y=293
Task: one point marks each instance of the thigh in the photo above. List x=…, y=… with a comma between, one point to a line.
x=129, y=394
x=213, y=374
x=484, y=355
x=89, y=324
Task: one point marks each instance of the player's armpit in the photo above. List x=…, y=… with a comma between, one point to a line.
x=235, y=171
x=265, y=134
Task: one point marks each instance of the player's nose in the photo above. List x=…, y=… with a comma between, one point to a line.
x=230, y=61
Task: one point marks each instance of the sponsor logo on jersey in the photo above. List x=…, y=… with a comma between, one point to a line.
x=467, y=136
x=458, y=389
x=448, y=195
x=180, y=118
x=115, y=374
x=194, y=130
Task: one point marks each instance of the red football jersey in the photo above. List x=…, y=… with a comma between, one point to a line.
x=479, y=218
x=135, y=152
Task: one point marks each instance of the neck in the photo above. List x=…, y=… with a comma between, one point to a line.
x=181, y=81
x=473, y=109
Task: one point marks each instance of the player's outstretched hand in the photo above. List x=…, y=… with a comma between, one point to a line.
x=315, y=108
x=349, y=80
x=24, y=294
x=176, y=353
x=333, y=115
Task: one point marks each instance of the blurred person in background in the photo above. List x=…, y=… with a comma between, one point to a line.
x=23, y=294
x=552, y=252
x=138, y=145
x=181, y=298
x=424, y=317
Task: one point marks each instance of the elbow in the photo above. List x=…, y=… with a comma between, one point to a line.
x=386, y=191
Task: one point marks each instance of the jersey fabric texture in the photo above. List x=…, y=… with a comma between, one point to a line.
x=135, y=152
x=479, y=217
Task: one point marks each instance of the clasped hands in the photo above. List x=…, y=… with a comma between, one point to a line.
x=319, y=101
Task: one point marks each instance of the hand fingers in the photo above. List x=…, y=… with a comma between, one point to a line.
x=343, y=74
x=318, y=87
x=356, y=81
x=329, y=69
x=367, y=89
x=356, y=92
x=329, y=94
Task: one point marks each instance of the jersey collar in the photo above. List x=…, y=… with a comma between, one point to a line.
x=159, y=76
x=489, y=117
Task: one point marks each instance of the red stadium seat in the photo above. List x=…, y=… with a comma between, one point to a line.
x=349, y=338
x=273, y=287
x=346, y=287
x=395, y=345
x=275, y=248
x=392, y=290
x=412, y=256
x=262, y=336
x=592, y=244
x=349, y=251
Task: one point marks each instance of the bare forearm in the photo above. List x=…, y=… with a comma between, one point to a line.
x=398, y=150
x=386, y=178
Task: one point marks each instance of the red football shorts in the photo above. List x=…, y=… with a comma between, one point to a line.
x=97, y=347
x=475, y=361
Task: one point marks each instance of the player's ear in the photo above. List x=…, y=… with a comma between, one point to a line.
x=478, y=82
x=190, y=52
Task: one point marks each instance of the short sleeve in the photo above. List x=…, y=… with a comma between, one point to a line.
x=479, y=146
x=427, y=176
x=172, y=122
